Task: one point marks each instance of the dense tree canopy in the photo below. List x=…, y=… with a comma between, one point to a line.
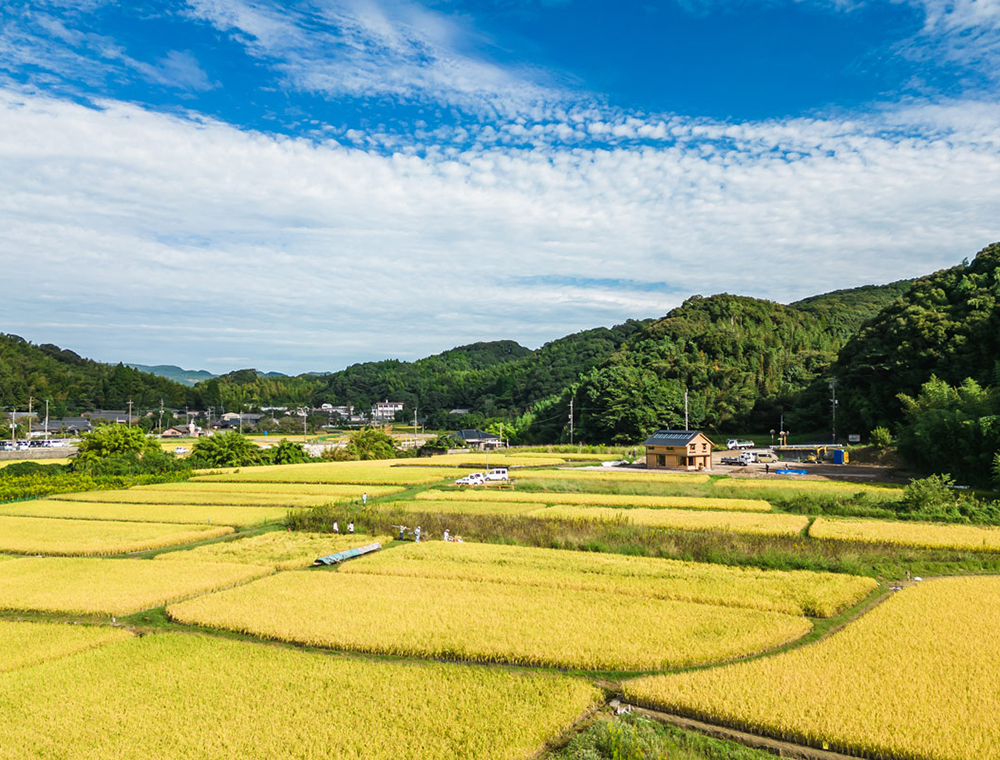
x=946, y=325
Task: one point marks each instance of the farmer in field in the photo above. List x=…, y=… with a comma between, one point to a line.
x=350, y=526
x=446, y=536
x=416, y=534
x=336, y=527
x=364, y=499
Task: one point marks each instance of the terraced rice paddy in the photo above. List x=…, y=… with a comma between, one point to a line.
x=497, y=459
x=807, y=486
x=754, y=523
x=235, y=494
x=916, y=678
x=467, y=506
x=23, y=644
x=611, y=475
x=8, y=462
x=85, y=585
x=279, y=549
x=922, y=535
x=204, y=698
x=145, y=513
x=362, y=473
x=488, y=622
x=796, y=593
x=600, y=499
x=53, y=536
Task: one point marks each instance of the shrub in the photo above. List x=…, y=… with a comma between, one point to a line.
x=113, y=440
x=287, y=452
x=931, y=494
x=232, y=449
x=881, y=438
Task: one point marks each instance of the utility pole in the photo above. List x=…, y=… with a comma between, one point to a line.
x=161, y=416
x=130, y=412
x=305, y=421
x=686, y=409
x=30, y=399
x=46, y=420
x=833, y=407
x=571, y=420
x=414, y=428
x=241, y=419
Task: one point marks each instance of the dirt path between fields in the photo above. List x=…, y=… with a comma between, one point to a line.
x=774, y=746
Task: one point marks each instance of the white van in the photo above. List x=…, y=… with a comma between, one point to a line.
x=472, y=479
x=497, y=475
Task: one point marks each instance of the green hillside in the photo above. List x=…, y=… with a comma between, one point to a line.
x=947, y=325
x=73, y=384
x=743, y=362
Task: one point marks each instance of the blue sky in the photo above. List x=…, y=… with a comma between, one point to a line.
x=301, y=185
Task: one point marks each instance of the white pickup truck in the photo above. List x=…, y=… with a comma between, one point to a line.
x=736, y=443
x=743, y=459
x=472, y=479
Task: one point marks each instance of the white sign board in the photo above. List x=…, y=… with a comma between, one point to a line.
x=854, y=438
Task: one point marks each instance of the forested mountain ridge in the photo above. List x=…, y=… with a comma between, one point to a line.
x=742, y=361
x=72, y=383
x=947, y=325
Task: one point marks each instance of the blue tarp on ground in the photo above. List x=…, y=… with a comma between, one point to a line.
x=336, y=559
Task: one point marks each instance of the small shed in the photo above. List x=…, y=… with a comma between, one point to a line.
x=678, y=450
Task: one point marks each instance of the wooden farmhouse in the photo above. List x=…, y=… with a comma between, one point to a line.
x=678, y=450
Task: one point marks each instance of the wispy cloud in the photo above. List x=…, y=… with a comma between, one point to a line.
x=370, y=49
x=52, y=38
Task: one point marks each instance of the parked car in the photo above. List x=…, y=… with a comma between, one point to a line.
x=767, y=457
x=736, y=443
x=472, y=479
x=744, y=458
x=498, y=474
x=181, y=449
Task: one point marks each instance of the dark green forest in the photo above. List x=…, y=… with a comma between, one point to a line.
x=947, y=325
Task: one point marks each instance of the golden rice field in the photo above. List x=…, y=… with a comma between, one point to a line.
x=572, y=456
x=612, y=475
x=54, y=536
x=918, y=678
x=806, y=486
x=467, y=507
x=234, y=494
x=600, y=499
x=205, y=698
x=380, y=472
x=796, y=593
x=498, y=459
x=279, y=549
x=23, y=644
x=922, y=535
x=8, y=462
x=87, y=585
x=145, y=513
x=489, y=622
x=755, y=523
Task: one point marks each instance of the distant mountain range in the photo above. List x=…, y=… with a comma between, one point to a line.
x=188, y=377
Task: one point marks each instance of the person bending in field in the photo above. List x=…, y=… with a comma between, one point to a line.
x=336, y=527
x=446, y=536
x=350, y=526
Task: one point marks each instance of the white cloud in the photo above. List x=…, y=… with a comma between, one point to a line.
x=365, y=48
x=168, y=233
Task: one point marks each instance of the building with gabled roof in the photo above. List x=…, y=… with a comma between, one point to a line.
x=678, y=450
